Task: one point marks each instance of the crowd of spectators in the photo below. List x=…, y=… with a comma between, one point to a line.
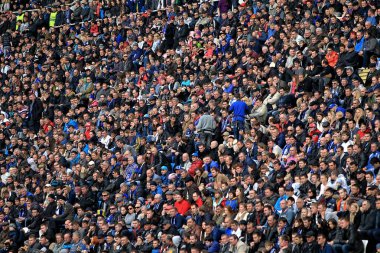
x=162, y=126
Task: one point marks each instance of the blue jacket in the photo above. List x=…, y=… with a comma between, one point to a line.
x=372, y=155
x=135, y=54
x=177, y=221
x=277, y=205
x=359, y=45
x=240, y=109
x=229, y=89
x=213, y=248
x=70, y=123
x=233, y=203
x=326, y=249
x=216, y=234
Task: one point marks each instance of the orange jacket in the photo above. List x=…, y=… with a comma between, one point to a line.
x=338, y=203
x=332, y=58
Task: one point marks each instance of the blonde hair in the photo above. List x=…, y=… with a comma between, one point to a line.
x=359, y=113
x=331, y=116
x=353, y=214
x=337, y=139
x=339, y=114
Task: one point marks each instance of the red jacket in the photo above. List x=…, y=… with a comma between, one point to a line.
x=332, y=58
x=182, y=206
x=194, y=166
x=199, y=202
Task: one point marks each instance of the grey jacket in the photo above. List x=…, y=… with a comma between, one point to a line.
x=206, y=123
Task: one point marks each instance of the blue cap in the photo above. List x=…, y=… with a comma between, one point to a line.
x=332, y=106
x=178, y=167
x=195, y=154
x=146, y=116
x=164, y=168
x=214, y=165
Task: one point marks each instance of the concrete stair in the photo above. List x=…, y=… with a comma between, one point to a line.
x=363, y=74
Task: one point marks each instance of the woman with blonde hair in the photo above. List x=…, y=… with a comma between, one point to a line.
x=359, y=116
x=331, y=118
x=336, y=143
x=357, y=95
x=338, y=120
x=355, y=215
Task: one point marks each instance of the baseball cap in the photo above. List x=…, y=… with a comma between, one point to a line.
x=195, y=154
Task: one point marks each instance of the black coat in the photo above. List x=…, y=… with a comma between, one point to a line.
x=141, y=176
x=368, y=220
x=50, y=210
x=115, y=184
x=270, y=233
x=87, y=200
x=350, y=234
x=351, y=59
x=34, y=224
x=181, y=32
x=60, y=19
x=36, y=111
x=310, y=247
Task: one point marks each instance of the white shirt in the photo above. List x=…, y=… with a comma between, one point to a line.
x=105, y=140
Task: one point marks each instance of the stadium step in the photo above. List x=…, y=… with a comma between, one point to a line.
x=363, y=74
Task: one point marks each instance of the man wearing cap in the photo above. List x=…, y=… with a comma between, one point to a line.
x=351, y=57
x=190, y=189
x=51, y=206
x=336, y=108
x=4, y=233
x=311, y=245
x=168, y=229
x=155, y=188
x=325, y=130
x=64, y=211
x=196, y=164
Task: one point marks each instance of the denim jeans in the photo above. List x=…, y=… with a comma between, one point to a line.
x=237, y=126
x=342, y=248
